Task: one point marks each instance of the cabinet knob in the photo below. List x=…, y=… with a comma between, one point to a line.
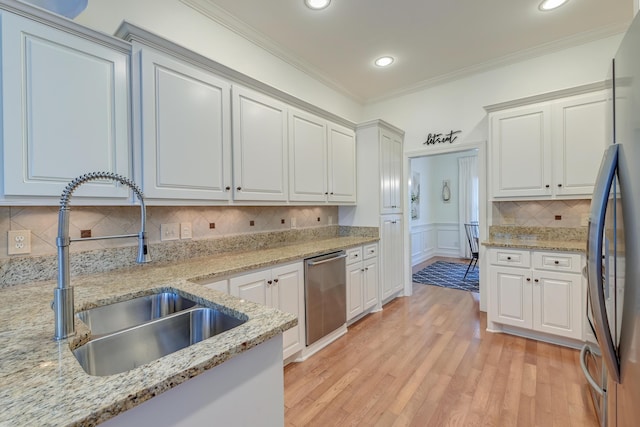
x=559, y=185
x=227, y=188
x=275, y=280
x=547, y=186
x=366, y=269
x=528, y=279
x=362, y=269
x=355, y=255
x=269, y=282
x=536, y=280
x=556, y=262
x=325, y=193
x=508, y=258
x=331, y=193
x=238, y=188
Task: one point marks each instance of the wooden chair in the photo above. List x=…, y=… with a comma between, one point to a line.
x=473, y=235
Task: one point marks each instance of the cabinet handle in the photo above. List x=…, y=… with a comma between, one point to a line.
x=227, y=188
x=547, y=186
x=238, y=188
x=275, y=280
x=325, y=193
x=528, y=279
x=536, y=280
x=269, y=282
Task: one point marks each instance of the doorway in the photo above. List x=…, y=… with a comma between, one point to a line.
x=436, y=213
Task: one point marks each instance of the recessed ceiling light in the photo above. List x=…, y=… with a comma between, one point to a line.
x=551, y=4
x=317, y=4
x=384, y=61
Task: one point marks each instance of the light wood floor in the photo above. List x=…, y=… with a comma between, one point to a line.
x=426, y=360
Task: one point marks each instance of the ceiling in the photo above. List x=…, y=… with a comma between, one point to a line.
x=432, y=41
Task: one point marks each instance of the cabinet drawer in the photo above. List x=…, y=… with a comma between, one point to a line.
x=354, y=255
x=510, y=257
x=370, y=251
x=569, y=263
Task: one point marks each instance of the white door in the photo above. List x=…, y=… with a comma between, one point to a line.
x=557, y=304
x=260, y=166
x=392, y=255
x=511, y=296
x=342, y=164
x=307, y=157
x=579, y=142
x=186, y=139
x=370, y=285
x=65, y=111
x=253, y=287
x=288, y=296
x=355, y=275
x=521, y=152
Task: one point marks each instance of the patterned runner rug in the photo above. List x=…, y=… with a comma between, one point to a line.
x=448, y=275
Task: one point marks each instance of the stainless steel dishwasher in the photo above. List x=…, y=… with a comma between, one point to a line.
x=325, y=294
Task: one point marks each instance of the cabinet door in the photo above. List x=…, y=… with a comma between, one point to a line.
x=65, y=111
x=307, y=157
x=260, y=167
x=288, y=296
x=511, y=296
x=370, y=285
x=557, y=304
x=342, y=164
x=392, y=255
x=391, y=172
x=521, y=152
x=355, y=276
x=253, y=287
x=579, y=140
x=186, y=143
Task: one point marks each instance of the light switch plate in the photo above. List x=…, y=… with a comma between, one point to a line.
x=186, y=232
x=170, y=231
x=19, y=242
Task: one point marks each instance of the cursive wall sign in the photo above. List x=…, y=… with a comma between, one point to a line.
x=438, y=138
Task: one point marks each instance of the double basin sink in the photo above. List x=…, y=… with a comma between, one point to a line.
x=131, y=333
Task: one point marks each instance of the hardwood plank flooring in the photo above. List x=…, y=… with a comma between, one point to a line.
x=426, y=360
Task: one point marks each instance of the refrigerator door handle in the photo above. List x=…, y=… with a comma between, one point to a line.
x=594, y=260
x=583, y=364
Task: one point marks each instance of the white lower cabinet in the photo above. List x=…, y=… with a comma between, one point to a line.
x=362, y=279
x=540, y=291
x=281, y=288
x=392, y=265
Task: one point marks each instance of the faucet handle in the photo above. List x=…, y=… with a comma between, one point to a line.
x=143, y=249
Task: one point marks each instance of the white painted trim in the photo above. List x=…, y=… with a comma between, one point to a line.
x=484, y=214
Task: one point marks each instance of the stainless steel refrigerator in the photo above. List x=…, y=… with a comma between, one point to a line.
x=612, y=364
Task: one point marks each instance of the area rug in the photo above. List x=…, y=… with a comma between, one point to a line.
x=448, y=275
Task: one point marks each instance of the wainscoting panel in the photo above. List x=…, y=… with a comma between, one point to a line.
x=435, y=239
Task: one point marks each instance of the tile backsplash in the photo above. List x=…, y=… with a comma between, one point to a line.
x=110, y=220
x=541, y=213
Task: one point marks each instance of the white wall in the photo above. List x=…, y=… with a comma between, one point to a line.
x=458, y=105
x=184, y=26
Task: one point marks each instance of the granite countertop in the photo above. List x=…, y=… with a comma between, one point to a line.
x=538, y=238
x=41, y=383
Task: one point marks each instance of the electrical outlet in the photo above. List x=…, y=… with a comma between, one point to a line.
x=584, y=219
x=186, y=231
x=169, y=231
x=19, y=242
x=294, y=223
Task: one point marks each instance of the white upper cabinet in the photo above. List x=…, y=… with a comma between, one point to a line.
x=260, y=168
x=521, y=151
x=322, y=160
x=307, y=157
x=391, y=171
x=550, y=149
x=185, y=129
x=65, y=98
x=579, y=140
x=342, y=164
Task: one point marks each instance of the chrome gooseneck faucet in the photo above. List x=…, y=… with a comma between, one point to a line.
x=63, y=293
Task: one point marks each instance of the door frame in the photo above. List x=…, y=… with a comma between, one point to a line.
x=483, y=205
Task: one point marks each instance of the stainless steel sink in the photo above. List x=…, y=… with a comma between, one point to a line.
x=122, y=315
x=127, y=349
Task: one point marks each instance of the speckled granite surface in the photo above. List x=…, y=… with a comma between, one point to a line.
x=41, y=383
x=544, y=238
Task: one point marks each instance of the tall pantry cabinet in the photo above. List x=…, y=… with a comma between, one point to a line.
x=380, y=199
